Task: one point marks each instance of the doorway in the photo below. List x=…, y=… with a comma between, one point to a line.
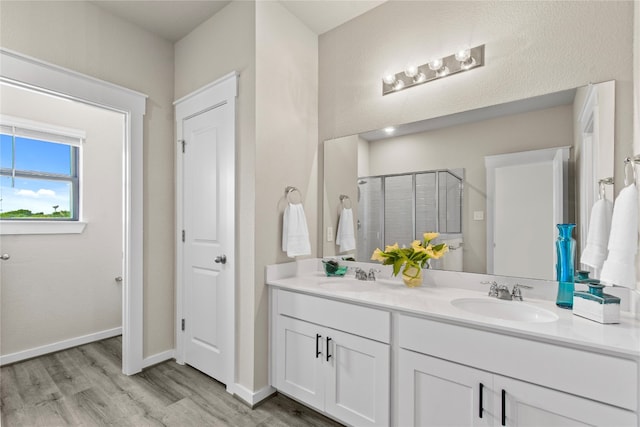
x=61, y=202
x=29, y=73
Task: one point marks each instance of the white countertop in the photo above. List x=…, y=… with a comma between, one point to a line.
x=433, y=301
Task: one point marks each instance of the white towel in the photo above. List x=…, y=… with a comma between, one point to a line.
x=345, y=237
x=619, y=268
x=595, y=252
x=295, y=234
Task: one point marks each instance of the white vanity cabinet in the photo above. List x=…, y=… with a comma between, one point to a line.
x=453, y=375
x=333, y=356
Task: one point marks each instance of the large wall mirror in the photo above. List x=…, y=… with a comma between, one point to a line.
x=432, y=176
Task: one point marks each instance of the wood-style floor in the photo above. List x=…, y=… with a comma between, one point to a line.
x=84, y=386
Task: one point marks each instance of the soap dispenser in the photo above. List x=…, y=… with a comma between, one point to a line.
x=595, y=305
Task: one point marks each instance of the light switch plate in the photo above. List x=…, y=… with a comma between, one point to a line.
x=329, y=234
x=478, y=215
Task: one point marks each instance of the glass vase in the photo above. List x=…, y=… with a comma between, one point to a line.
x=412, y=276
x=566, y=253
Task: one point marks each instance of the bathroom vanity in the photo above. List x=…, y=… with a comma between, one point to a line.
x=378, y=353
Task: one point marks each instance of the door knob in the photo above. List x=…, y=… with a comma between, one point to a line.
x=221, y=259
x=119, y=279
x=5, y=257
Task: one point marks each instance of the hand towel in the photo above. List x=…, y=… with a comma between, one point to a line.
x=295, y=234
x=595, y=252
x=345, y=237
x=619, y=269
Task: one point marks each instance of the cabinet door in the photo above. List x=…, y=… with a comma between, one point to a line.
x=531, y=405
x=358, y=379
x=298, y=366
x=434, y=392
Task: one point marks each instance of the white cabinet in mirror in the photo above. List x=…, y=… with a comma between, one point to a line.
x=354, y=165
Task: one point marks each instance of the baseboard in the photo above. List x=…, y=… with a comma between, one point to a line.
x=57, y=346
x=253, y=398
x=158, y=358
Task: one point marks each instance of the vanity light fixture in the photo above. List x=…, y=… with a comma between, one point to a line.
x=389, y=130
x=412, y=75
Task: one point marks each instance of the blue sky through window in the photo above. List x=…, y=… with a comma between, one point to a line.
x=36, y=195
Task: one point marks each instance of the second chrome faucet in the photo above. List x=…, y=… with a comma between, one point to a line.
x=502, y=291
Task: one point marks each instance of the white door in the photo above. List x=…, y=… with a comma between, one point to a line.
x=520, y=404
x=434, y=392
x=207, y=235
x=358, y=386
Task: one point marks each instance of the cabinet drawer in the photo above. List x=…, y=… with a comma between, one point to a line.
x=596, y=376
x=363, y=321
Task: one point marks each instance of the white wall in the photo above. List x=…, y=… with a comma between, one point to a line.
x=80, y=36
x=224, y=43
x=532, y=48
x=60, y=287
x=286, y=146
x=277, y=144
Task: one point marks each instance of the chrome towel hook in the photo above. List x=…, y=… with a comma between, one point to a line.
x=631, y=162
x=290, y=189
x=343, y=199
x=601, y=183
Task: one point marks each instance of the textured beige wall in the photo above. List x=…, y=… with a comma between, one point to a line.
x=532, y=48
x=80, y=36
x=286, y=146
x=60, y=287
x=225, y=43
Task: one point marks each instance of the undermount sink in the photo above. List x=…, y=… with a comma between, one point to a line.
x=505, y=310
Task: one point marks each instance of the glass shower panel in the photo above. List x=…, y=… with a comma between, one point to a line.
x=450, y=202
x=398, y=210
x=426, y=206
x=369, y=225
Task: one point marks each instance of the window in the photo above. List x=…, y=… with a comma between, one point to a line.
x=39, y=166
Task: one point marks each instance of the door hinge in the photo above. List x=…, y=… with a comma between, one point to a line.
x=182, y=141
x=183, y=324
x=183, y=235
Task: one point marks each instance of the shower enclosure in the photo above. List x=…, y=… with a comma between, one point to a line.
x=399, y=208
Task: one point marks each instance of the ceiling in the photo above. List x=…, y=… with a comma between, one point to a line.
x=174, y=19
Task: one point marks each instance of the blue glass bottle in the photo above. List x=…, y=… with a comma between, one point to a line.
x=566, y=253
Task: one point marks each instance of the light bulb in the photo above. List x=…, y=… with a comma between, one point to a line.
x=443, y=71
x=469, y=63
x=389, y=130
x=435, y=65
x=419, y=78
x=399, y=84
x=410, y=70
x=389, y=79
x=463, y=54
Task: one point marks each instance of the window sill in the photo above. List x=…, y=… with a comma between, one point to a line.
x=8, y=227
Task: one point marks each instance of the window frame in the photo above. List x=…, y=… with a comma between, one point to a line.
x=39, y=131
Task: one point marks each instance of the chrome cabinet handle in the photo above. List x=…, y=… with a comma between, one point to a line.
x=5, y=257
x=119, y=279
x=221, y=259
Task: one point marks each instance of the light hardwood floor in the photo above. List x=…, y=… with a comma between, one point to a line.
x=84, y=386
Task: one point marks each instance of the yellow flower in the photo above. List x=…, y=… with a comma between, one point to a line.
x=438, y=253
x=417, y=246
x=377, y=255
x=391, y=248
x=430, y=236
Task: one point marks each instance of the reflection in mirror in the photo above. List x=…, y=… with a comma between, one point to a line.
x=359, y=166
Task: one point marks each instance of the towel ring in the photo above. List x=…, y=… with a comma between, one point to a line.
x=601, y=183
x=344, y=198
x=630, y=162
x=290, y=189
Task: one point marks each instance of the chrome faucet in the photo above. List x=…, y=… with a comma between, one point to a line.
x=516, y=294
x=361, y=274
x=502, y=291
